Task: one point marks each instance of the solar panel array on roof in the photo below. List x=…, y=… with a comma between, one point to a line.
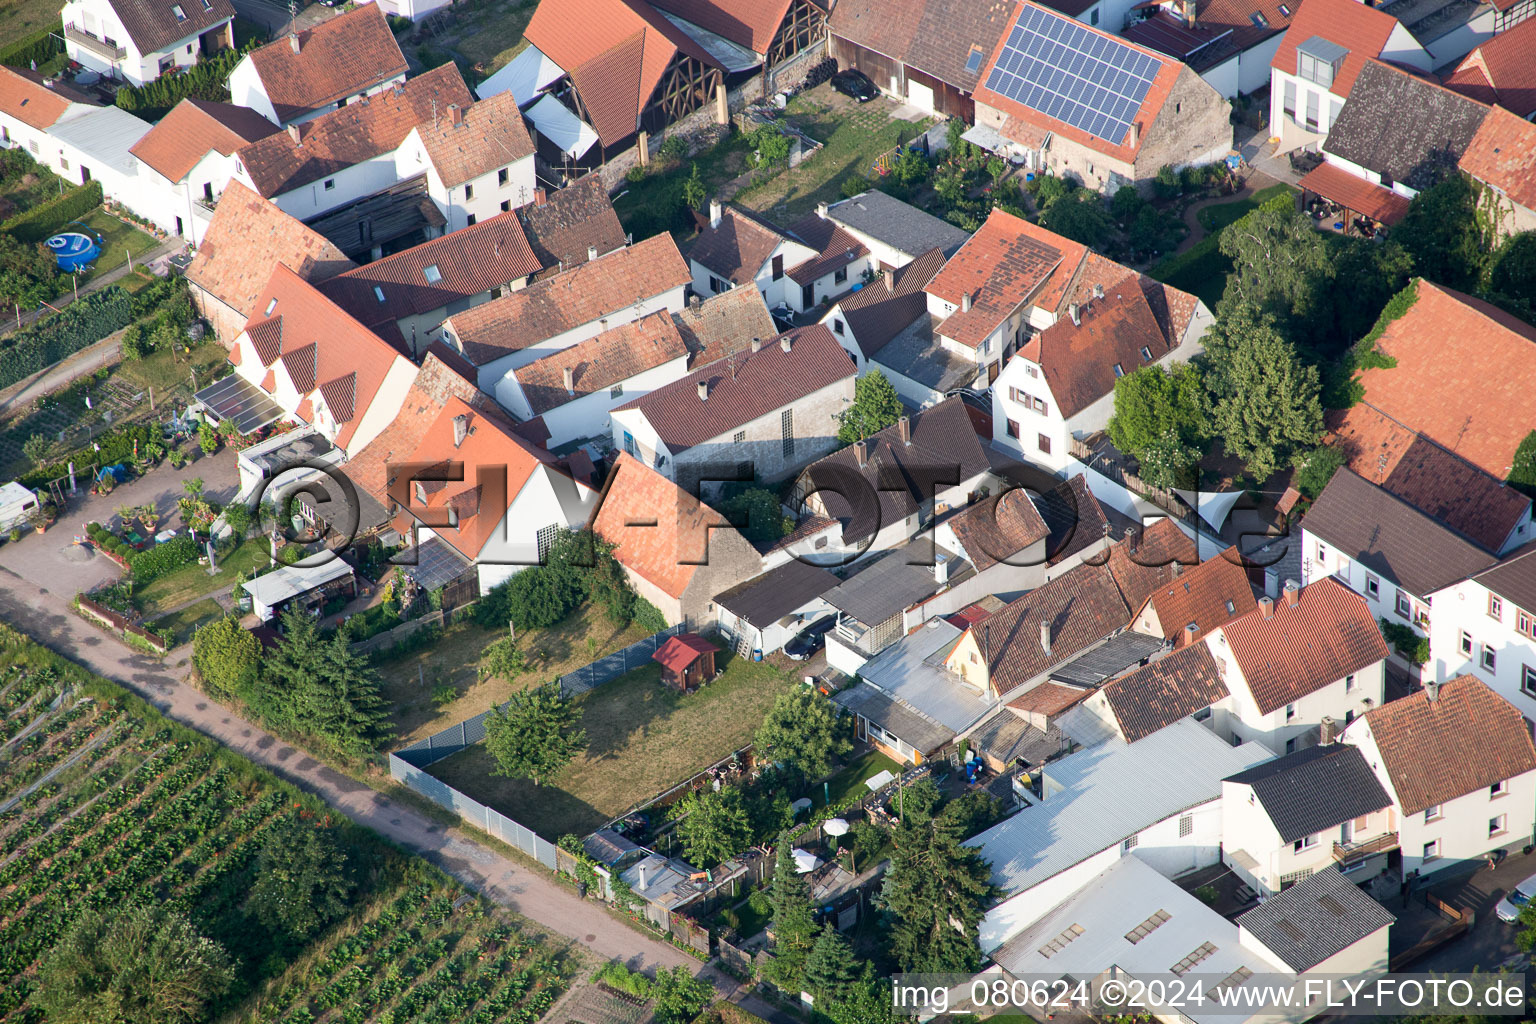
x=1094, y=83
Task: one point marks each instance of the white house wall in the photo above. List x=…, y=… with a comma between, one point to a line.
x=1463, y=607
x=97, y=17
x=386, y=404
x=515, y=543
x=587, y=416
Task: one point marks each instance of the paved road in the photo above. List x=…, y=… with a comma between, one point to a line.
x=46, y=617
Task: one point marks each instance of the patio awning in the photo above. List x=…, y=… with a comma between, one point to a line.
x=437, y=563
x=236, y=400
x=989, y=139
x=1355, y=194
x=561, y=127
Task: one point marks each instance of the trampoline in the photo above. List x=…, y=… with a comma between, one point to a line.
x=73, y=250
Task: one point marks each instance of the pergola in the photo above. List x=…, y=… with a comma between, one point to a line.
x=1381, y=207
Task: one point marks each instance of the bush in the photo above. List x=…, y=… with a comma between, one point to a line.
x=1406, y=642
x=205, y=80
x=616, y=976
x=52, y=338
x=1316, y=468
x=155, y=562
x=648, y=617
x=44, y=219
x=673, y=147
x=1166, y=184
x=40, y=46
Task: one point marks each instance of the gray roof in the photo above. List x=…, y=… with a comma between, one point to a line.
x=1390, y=537
x=1314, y=789
x=1009, y=738
x=764, y=600
x=900, y=225
x=912, y=671
x=896, y=718
x=1514, y=579
x=1398, y=124
x=918, y=353
x=1118, y=653
x=107, y=134
x=1319, y=916
x=1323, y=49
x=889, y=585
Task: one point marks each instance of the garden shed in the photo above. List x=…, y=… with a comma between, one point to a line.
x=306, y=588
x=687, y=661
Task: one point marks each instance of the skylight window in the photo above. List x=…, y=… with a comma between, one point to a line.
x=1147, y=927
x=378, y=293
x=1201, y=953
x=1061, y=941
x=1258, y=19
x=1285, y=10
x=181, y=15
x=270, y=307
x=433, y=274
x=973, y=62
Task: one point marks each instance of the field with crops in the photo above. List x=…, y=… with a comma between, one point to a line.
x=105, y=805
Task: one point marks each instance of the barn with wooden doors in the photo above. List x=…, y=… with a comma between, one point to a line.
x=687, y=661
x=929, y=53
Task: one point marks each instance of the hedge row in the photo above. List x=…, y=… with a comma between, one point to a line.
x=47, y=218
x=81, y=323
x=208, y=79
x=39, y=46
x=152, y=563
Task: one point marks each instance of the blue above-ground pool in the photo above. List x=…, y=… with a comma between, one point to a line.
x=74, y=250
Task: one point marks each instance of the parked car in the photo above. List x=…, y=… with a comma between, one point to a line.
x=855, y=83
x=810, y=639
x=1509, y=907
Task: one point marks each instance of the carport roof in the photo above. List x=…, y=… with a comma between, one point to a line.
x=237, y=400
x=766, y=599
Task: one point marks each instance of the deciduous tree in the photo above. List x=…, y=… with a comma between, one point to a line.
x=1153, y=400
x=535, y=735
x=227, y=656
x=875, y=407
x=803, y=731
x=1280, y=265
x=716, y=828
x=1266, y=404
x=302, y=880
x=1080, y=216
x=1446, y=235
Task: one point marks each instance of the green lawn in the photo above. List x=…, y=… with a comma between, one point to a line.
x=1219, y=215
x=117, y=238
x=850, y=779
x=165, y=370
x=184, y=623
x=19, y=18
x=490, y=32
x=1201, y=269
x=182, y=585
x=655, y=202
x=642, y=739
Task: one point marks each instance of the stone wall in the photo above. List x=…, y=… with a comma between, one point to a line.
x=1194, y=127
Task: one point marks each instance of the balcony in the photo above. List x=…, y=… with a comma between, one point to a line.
x=1346, y=854
x=104, y=50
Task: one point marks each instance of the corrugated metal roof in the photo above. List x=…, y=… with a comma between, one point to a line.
x=912, y=671
x=1115, y=655
x=916, y=730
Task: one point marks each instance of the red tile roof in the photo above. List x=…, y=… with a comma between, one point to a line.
x=1361, y=29
x=1004, y=264
x=1354, y=193
x=1464, y=740
x=744, y=387
x=1464, y=377
x=749, y=23
x=1048, y=699
x=30, y=101
x=601, y=361
x=682, y=650
x=1329, y=634
x=1169, y=689
x=1210, y=594
x=998, y=528
x=1079, y=360
x=885, y=26
x=581, y=295
x=1502, y=67
x=1145, y=115
x=247, y=237
x=349, y=361
x=194, y=128
x=349, y=54
x=724, y=324
x=1502, y=155
x=487, y=136
x=360, y=131
x=834, y=246
x=1145, y=561
x=496, y=466
x=469, y=262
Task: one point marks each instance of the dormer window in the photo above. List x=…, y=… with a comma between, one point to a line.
x=1318, y=60
x=433, y=274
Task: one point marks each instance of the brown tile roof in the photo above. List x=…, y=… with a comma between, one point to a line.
x=349, y=54
x=1464, y=740
x=1502, y=155
x=896, y=477
x=998, y=528
x=1210, y=594
x=749, y=23
x=1514, y=578
x=1006, y=262
x=1359, y=28
x=948, y=32
x=1171, y=688
x=1048, y=699
x=1174, y=309
x=1144, y=562
x=744, y=387
x=659, y=531
x=724, y=324
x=1079, y=360
x=885, y=26
x=1503, y=64
x=834, y=246
x=247, y=237
x=881, y=310
x=1471, y=83
x=469, y=262
x=343, y=348
x=1357, y=194
x=1075, y=518
x=1296, y=651
x=581, y=295
x=1147, y=113
x=1464, y=377
x=736, y=249
x=1434, y=481
x=602, y=361
x=357, y=132
x=193, y=128
x=489, y=135
x=496, y=466
x=24, y=97
x=1390, y=537
x=1081, y=607
x=572, y=220
x=155, y=25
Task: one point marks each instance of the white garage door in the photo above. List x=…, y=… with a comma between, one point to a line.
x=919, y=95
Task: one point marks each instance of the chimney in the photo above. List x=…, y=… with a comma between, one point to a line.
x=293, y=133
x=714, y=213
x=642, y=876
x=1189, y=13
x=1191, y=631
x=293, y=41
x=1292, y=594
x=1431, y=691
x=1133, y=136
x=461, y=428
x=1045, y=637
x=1327, y=731
x=786, y=343
x=861, y=453
x=904, y=428
x=890, y=280
x=693, y=302
x=1076, y=314
x=703, y=390
x=570, y=379
x=1266, y=607
x=455, y=114
x=1098, y=291
x=591, y=253
x=940, y=569
x=1130, y=540
x=540, y=197
x=965, y=303
x=757, y=344
x=821, y=210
